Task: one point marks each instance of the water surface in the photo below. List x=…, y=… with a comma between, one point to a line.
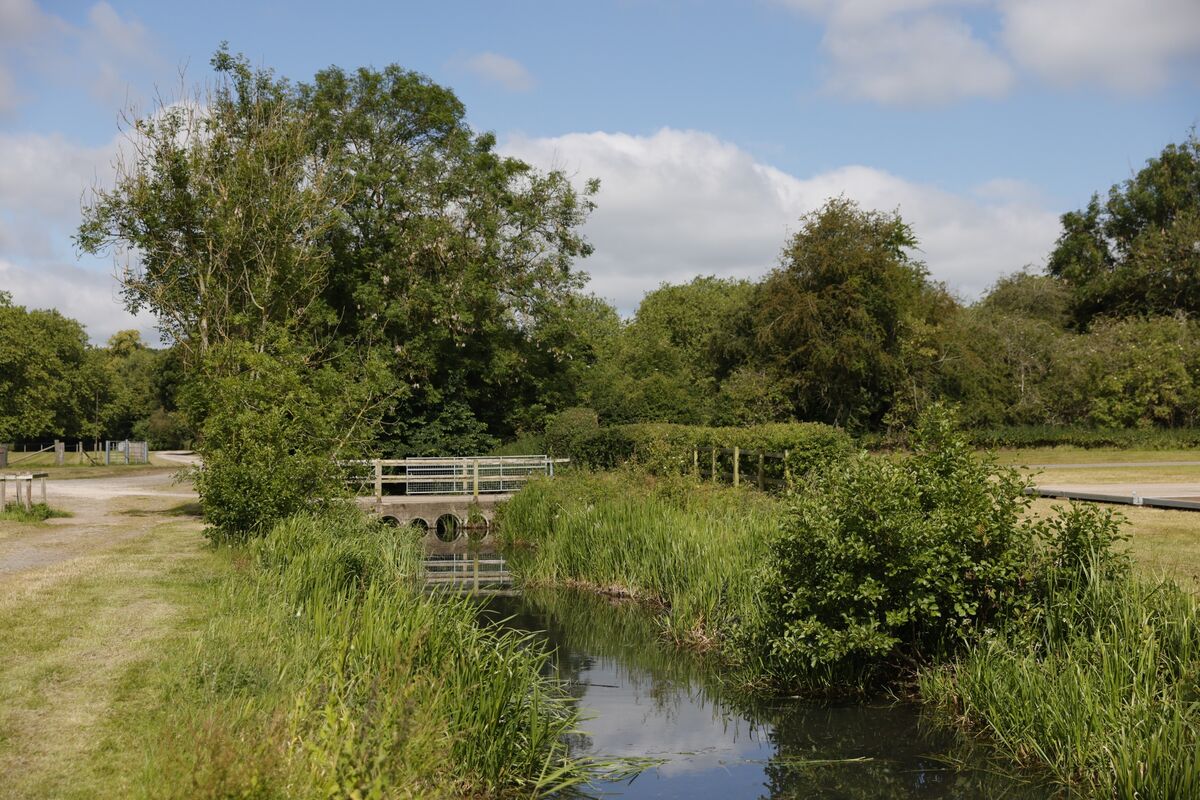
x=641, y=698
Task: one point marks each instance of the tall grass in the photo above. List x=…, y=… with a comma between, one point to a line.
x=325, y=672
x=690, y=547
x=1103, y=689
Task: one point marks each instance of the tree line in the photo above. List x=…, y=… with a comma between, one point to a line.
x=55, y=385
x=344, y=266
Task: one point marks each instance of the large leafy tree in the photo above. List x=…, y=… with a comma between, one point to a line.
x=43, y=356
x=1136, y=253
x=832, y=319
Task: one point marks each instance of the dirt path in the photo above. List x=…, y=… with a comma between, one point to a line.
x=105, y=512
x=89, y=606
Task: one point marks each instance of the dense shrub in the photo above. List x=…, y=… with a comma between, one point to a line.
x=665, y=448
x=885, y=561
x=567, y=428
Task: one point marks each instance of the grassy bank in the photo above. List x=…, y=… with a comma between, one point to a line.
x=324, y=672
x=690, y=548
x=1101, y=689
x=930, y=566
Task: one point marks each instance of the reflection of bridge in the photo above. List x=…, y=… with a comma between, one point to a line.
x=444, y=496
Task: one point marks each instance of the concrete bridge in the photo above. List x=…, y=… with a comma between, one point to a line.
x=449, y=499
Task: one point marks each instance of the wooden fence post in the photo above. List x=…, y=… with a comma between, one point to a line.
x=760, y=470
x=475, y=485
x=737, y=457
x=3, y=455
x=696, y=462
x=378, y=479
x=787, y=472
x=29, y=495
x=60, y=451
x=714, y=465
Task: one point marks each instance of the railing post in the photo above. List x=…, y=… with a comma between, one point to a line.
x=29, y=494
x=714, y=465
x=760, y=470
x=475, y=480
x=378, y=480
x=126, y=452
x=696, y=462
x=737, y=457
x=60, y=450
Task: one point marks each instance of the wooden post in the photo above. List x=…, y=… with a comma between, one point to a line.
x=760, y=470
x=714, y=465
x=29, y=494
x=787, y=471
x=127, y=452
x=60, y=451
x=378, y=479
x=696, y=462
x=475, y=481
x=737, y=457
x=79, y=448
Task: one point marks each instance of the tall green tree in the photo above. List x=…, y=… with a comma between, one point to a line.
x=832, y=318
x=1135, y=252
x=43, y=356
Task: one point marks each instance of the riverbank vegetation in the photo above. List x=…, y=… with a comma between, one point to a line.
x=922, y=571
x=324, y=671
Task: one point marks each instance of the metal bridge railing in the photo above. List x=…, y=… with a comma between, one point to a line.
x=469, y=475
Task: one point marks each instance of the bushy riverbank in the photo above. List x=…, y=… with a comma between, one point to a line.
x=326, y=672
x=924, y=572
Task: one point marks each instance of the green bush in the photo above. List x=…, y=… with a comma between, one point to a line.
x=268, y=443
x=884, y=563
x=567, y=428
x=665, y=448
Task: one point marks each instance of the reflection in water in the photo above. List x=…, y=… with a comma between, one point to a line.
x=641, y=698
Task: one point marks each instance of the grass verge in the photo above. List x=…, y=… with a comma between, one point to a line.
x=39, y=512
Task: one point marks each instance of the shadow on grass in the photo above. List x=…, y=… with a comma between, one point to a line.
x=188, y=509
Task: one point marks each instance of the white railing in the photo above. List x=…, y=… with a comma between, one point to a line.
x=468, y=475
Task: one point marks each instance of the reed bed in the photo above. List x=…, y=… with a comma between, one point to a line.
x=693, y=549
x=325, y=672
x=1102, y=689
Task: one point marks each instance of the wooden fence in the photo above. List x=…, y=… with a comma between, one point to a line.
x=766, y=470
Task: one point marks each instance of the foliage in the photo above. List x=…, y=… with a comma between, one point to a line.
x=274, y=429
x=668, y=449
x=1100, y=689
x=39, y=512
x=692, y=548
x=43, y=359
x=832, y=317
x=1135, y=253
x=326, y=672
x=568, y=428
x=884, y=561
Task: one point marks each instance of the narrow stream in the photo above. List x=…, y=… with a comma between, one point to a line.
x=642, y=698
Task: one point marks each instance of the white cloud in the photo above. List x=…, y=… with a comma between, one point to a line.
x=48, y=174
x=905, y=52
x=1129, y=45
x=101, y=54
x=502, y=70
x=922, y=52
x=684, y=203
x=90, y=296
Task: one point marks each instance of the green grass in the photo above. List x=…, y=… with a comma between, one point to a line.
x=323, y=671
x=689, y=547
x=39, y=512
x=1101, y=690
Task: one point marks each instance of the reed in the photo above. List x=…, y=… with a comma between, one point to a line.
x=1101, y=689
x=693, y=549
x=325, y=671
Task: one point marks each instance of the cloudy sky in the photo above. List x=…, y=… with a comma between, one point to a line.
x=713, y=126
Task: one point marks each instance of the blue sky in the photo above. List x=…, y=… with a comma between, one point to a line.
x=712, y=125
